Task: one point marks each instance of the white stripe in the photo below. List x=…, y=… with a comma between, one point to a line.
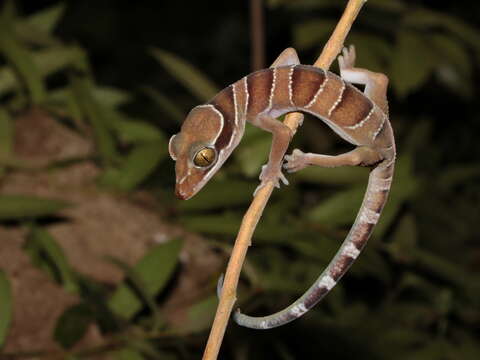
x=234, y=91
x=390, y=163
x=220, y=115
x=290, y=78
x=380, y=184
x=384, y=119
x=369, y=216
x=351, y=251
x=246, y=94
x=189, y=172
x=361, y=123
x=340, y=96
x=298, y=310
x=319, y=91
x=327, y=282
x=272, y=89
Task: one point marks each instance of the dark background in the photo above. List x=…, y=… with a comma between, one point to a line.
x=413, y=293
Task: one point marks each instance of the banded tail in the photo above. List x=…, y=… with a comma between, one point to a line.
x=373, y=202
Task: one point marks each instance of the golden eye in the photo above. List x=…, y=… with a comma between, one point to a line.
x=205, y=157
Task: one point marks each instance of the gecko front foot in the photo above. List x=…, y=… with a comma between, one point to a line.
x=268, y=175
x=297, y=161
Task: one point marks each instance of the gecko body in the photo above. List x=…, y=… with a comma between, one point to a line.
x=212, y=131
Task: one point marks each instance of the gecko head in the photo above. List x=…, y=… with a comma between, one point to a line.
x=198, y=150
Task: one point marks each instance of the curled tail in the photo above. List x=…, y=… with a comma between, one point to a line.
x=375, y=198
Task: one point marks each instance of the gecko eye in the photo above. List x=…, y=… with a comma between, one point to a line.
x=205, y=157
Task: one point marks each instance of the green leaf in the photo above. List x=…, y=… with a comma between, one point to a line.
x=312, y=33
x=83, y=90
x=218, y=194
x=139, y=287
x=110, y=96
x=6, y=137
x=454, y=64
x=21, y=59
x=198, y=84
x=404, y=239
x=46, y=253
x=404, y=187
x=166, y=104
x=72, y=325
x=64, y=100
x=408, y=74
x=154, y=269
x=45, y=20
x=54, y=59
x=339, y=209
x=253, y=154
x=390, y=5
x=6, y=307
x=46, y=61
x=333, y=176
x=224, y=224
x=425, y=18
x=378, y=54
x=199, y=316
x=15, y=207
x=127, y=354
x=137, y=131
x=138, y=165
x=8, y=80
x=457, y=175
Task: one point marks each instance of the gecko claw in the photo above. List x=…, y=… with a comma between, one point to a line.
x=295, y=162
x=266, y=176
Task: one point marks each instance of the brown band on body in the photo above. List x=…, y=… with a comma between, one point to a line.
x=341, y=267
x=315, y=296
x=259, y=85
x=306, y=81
x=352, y=108
x=224, y=103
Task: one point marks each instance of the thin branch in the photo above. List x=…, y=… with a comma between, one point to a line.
x=257, y=34
x=254, y=212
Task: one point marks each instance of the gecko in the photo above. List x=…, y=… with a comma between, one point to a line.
x=211, y=132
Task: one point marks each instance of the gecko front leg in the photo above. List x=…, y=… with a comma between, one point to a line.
x=272, y=171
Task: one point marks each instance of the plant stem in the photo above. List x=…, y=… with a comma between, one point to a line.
x=252, y=216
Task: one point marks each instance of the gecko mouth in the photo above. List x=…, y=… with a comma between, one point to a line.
x=181, y=194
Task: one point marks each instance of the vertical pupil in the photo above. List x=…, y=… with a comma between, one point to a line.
x=204, y=157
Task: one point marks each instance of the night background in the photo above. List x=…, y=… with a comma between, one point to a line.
x=99, y=260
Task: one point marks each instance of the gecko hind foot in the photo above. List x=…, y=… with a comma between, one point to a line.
x=347, y=59
x=267, y=175
x=295, y=162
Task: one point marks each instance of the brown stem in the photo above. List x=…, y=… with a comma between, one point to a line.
x=257, y=35
x=252, y=216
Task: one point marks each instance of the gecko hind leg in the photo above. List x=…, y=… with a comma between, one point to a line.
x=375, y=83
x=362, y=156
x=287, y=57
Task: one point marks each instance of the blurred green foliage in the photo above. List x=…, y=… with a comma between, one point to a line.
x=414, y=293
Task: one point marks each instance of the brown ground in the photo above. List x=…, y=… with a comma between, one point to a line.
x=98, y=224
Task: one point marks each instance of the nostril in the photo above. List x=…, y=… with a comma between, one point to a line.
x=180, y=194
